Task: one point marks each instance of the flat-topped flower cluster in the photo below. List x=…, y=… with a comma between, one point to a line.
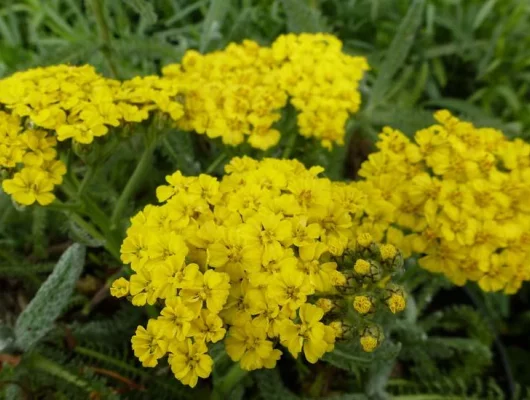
x=239, y=92
x=236, y=94
x=45, y=106
x=265, y=259
x=457, y=195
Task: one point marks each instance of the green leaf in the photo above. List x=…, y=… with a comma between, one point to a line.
x=51, y=299
x=407, y=120
x=7, y=338
x=271, y=386
x=483, y=13
x=213, y=21
x=302, y=18
x=144, y=9
x=397, y=52
x=178, y=146
x=350, y=357
x=477, y=114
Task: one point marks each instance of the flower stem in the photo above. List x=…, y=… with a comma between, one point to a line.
x=86, y=179
x=290, y=145
x=91, y=210
x=215, y=163
x=227, y=383
x=132, y=184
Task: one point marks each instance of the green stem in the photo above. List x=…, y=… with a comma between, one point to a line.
x=132, y=184
x=215, y=163
x=86, y=179
x=104, y=35
x=91, y=210
x=109, y=360
x=290, y=145
x=225, y=386
x=50, y=367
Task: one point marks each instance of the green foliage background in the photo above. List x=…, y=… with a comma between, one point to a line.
x=470, y=56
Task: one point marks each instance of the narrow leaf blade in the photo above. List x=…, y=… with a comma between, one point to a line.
x=302, y=18
x=398, y=51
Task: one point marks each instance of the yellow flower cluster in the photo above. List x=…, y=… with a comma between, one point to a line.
x=232, y=94
x=240, y=91
x=458, y=196
x=267, y=253
x=35, y=150
x=79, y=104
x=42, y=106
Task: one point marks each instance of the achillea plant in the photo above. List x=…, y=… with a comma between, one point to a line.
x=458, y=196
x=267, y=259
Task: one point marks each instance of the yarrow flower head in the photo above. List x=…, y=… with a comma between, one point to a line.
x=238, y=93
x=262, y=259
x=458, y=196
x=44, y=106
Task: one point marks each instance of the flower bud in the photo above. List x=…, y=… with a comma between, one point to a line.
x=338, y=328
x=325, y=304
x=364, y=240
x=369, y=270
x=362, y=267
x=395, y=298
x=371, y=337
x=363, y=304
x=388, y=252
x=338, y=278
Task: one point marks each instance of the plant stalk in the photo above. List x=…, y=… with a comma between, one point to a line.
x=215, y=163
x=225, y=386
x=132, y=184
x=290, y=145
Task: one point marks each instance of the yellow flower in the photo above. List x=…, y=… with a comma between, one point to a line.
x=309, y=335
x=304, y=233
x=190, y=361
x=143, y=288
x=291, y=288
x=149, y=344
x=248, y=344
x=232, y=251
x=211, y=288
x=269, y=232
x=265, y=238
x=318, y=272
x=134, y=248
x=120, y=287
x=175, y=319
x=208, y=327
x=173, y=274
x=28, y=186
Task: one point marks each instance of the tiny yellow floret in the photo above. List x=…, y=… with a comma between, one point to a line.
x=120, y=287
